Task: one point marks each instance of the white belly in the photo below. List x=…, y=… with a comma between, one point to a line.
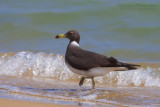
x=98, y=71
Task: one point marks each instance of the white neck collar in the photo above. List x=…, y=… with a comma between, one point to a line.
x=74, y=43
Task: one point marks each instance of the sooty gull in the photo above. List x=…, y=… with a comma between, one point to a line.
x=89, y=64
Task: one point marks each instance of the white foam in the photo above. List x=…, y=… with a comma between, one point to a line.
x=39, y=65
x=140, y=77
x=53, y=66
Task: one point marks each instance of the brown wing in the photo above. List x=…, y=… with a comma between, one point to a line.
x=85, y=60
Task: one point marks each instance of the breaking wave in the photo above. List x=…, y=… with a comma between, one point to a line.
x=42, y=65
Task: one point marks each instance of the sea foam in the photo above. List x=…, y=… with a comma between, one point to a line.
x=42, y=65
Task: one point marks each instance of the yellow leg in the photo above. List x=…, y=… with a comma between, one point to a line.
x=93, y=83
x=81, y=81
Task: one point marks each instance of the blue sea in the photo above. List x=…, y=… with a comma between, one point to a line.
x=32, y=63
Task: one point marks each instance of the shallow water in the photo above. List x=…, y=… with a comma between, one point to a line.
x=69, y=93
x=45, y=78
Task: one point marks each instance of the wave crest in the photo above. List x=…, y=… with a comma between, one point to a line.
x=42, y=65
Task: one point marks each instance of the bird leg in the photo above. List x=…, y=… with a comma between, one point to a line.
x=83, y=78
x=93, y=83
x=81, y=81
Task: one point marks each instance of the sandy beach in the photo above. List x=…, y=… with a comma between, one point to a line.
x=19, y=103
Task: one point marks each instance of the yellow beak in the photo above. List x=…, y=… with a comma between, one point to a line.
x=60, y=36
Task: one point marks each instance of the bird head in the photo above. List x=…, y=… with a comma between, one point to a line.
x=72, y=35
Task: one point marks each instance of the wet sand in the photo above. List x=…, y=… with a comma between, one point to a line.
x=19, y=103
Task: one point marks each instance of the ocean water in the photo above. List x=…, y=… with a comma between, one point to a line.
x=32, y=63
x=108, y=27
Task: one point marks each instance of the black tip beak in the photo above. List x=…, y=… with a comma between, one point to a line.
x=56, y=37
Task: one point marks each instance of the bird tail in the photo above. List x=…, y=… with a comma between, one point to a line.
x=121, y=64
x=130, y=66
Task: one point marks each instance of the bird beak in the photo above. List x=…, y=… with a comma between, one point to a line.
x=60, y=36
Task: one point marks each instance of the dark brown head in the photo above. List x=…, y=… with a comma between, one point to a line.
x=72, y=35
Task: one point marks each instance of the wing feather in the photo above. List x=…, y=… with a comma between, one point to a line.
x=85, y=60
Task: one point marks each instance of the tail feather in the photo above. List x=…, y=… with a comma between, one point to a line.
x=115, y=63
x=130, y=66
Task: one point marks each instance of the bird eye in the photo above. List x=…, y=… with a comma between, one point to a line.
x=71, y=32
